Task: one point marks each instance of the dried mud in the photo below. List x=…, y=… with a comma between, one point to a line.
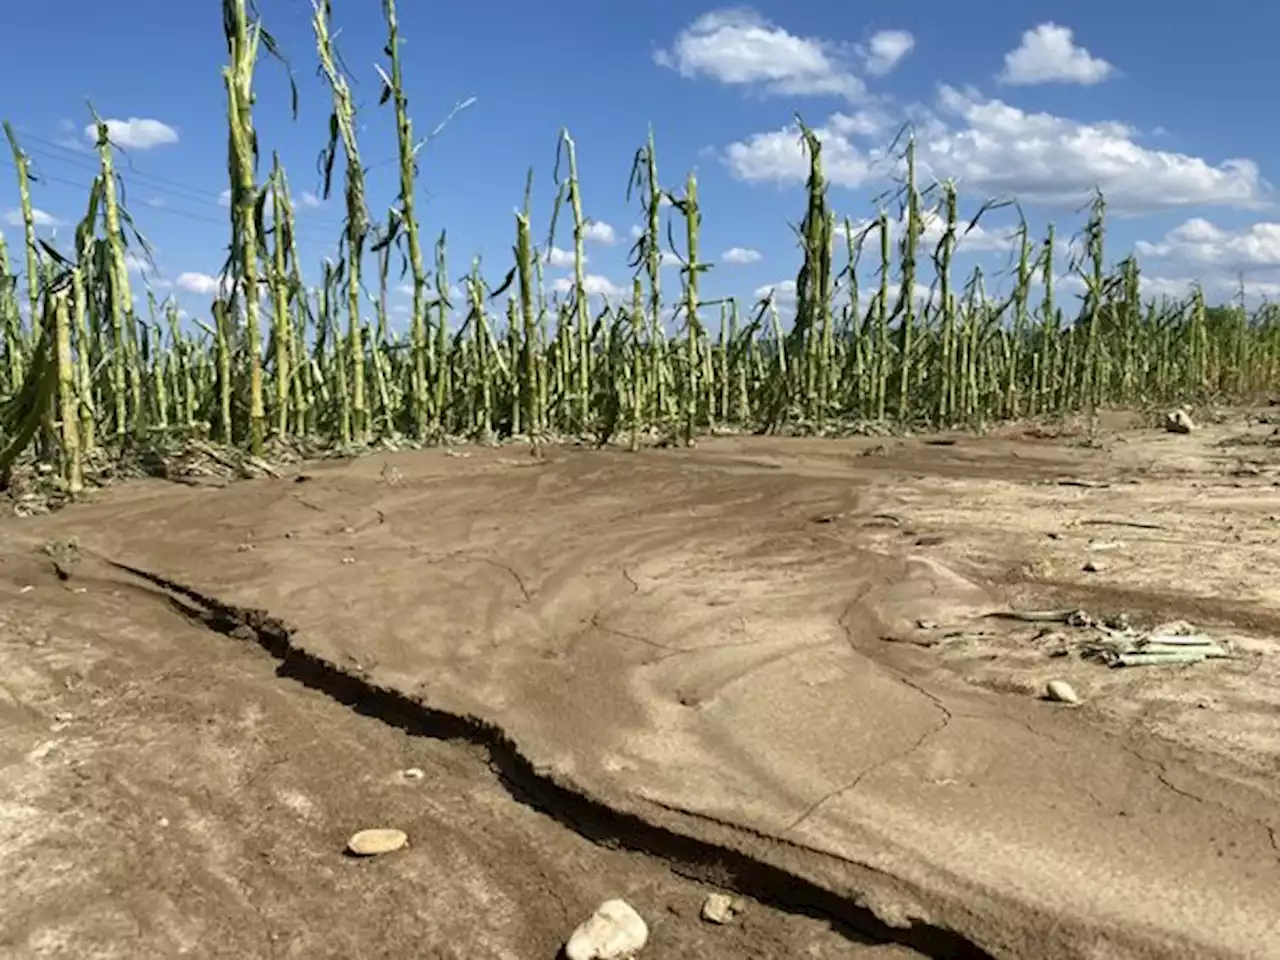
x=761, y=666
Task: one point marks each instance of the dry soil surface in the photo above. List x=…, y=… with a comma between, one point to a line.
x=762, y=666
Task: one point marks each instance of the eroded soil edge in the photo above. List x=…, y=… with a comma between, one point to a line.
x=603, y=823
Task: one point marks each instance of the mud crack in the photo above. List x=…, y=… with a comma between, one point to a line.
x=551, y=795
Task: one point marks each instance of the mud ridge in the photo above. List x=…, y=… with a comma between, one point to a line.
x=590, y=818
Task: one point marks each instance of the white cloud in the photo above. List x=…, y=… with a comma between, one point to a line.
x=224, y=198
x=738, y=47
x=560, y=258
x=306, y=199
x=137, y=133
x=863, y=123
x=979, y=239
x=594, y=284
x=992, y=147
x=67, y=139
x=1046, y=158
x=1255, y=289
x=456, y=292
x=1048, y=54
x=784, y=291
x=597, y=231
x=1219, y=288
x=922, y=293
x=199, y=283
x=1203, y=243
x=740, y=255
x=778, y=156
x=39, y=217
x=1175, y=287
x=885, y=50
x=136, y=264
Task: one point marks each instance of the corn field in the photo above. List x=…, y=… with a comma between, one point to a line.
x=89, y=369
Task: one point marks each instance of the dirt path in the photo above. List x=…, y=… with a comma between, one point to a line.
x=763, y=663
x=164, y=793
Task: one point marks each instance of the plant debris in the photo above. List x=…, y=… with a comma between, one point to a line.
x=1114, y=642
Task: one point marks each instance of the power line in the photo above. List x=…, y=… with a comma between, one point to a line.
x=174, y=188
x=302, y=236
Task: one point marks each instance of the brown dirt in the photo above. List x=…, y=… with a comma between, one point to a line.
x=758, y=666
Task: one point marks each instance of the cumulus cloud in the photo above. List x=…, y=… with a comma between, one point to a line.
x=1174, y=287
x=597, y=231
x=778, y=156
x=224, y=198
x=39, y=217
x=738, y=47
x=455, y=292
x=1201, y=242
x=784, y=291
x=992, y=147
x=198, y=283
x=886, y=50
x=1217, y=288
x=137, y=133
x=1048, y=54
x=136, y=264
x=560, y=258
x=740, y=255
x=979, y=239
x=594, y=284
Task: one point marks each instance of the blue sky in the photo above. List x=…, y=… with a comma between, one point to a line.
x=1159, y=104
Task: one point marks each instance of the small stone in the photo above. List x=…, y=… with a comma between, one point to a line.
x=1178, y=421
x=1061, y=692
x=413, y=773
x=721, y=908
x=64, y=717
x=370, y=843
x=1091, y=566
x=613, y=932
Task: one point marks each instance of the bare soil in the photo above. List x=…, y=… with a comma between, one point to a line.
x=762, y=666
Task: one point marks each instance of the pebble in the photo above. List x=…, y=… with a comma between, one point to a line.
x=1062, y=692
x=613, y=932
x=369, y=843
x=1091, y=566
x=721, y=908
x=413, y=773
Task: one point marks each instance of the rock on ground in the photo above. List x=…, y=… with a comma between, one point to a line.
x=613, y=932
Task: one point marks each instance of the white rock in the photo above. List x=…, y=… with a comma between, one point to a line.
x=1178, y=421
x=1062, y=692
x=369, y=843
x=721, y=908
x=613, y=932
